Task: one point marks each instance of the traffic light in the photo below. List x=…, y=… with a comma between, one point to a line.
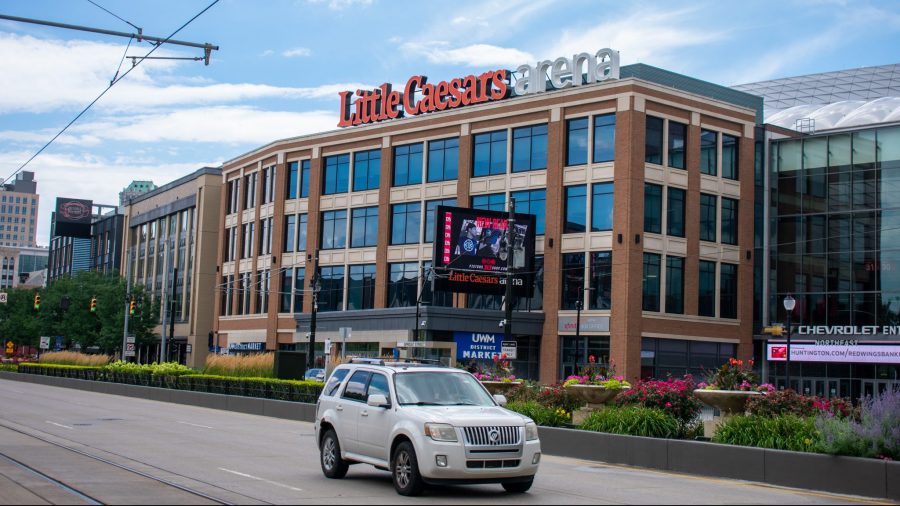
x=132, y=307
x=93, y=304
x=37, y=301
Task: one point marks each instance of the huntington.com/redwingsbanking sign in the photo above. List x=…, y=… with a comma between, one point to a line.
x=420, y=97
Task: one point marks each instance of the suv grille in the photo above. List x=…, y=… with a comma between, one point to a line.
x=492, y=436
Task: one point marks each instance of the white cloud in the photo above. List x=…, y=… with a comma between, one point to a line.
x=644, y=35
x=337, y=5
x=475, y=55
x=297, y=51
x=267, y=52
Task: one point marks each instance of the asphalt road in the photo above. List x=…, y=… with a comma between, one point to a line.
x=158, y=453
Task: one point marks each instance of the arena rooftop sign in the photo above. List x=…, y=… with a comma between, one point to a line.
x=421, y=97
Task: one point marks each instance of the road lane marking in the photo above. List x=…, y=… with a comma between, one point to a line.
x=196, y=425
x=245, y=475
x=60, y=425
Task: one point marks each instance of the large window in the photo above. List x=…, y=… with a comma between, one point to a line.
x=602, y=207
x=230, y=243
x=299, y=288
x=290, y=233
x=403, y=286
x=301, y=232
x=604, y=138
x=651, y=282
x=729, y=221
x=408, y=164
x=653, y=143
x=406, y=220
x=293, y=181
x=729, y=157
x=708, y=140
x=572, y=279
x=263, y=283
x=250, y=186
x=493, y=202
x=336, y=175
x=268, y=185
x=707, y=301
x=728, y=291
x=529, y=148
x=334, y=229
x=364, y=227
x=708, y=217
x=331, y=296
x=652, y=208
x=227, y=295
x=304, y=179
x=533, y=202
x=576, y=209
x=248, y=237
x=443, y=160
x=265, y=236
x=601, y=280
x=677, y=135
x=244, y=307
x=430, y=211
x=366, y=170
x=234, y=195
x=361, y=287
x=675, y=209
x=287, y=280
x=674, y=285
x=490, y=154
x=577, y=141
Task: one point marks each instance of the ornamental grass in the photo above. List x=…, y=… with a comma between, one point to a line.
x=74, y=358
x=260, y=365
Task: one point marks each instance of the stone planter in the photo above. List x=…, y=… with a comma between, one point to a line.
x=728, y=402
x=501, y=387
x=595, y=396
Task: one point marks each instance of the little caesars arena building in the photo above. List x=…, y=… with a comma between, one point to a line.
x=639, y=182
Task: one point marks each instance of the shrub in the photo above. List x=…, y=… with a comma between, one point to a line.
x=74, y=358
x=260, y=365
x=9, y=367
x=783, y=432
x=674, y=396
x=789, y=402
x=542, y=415
x=876, y=434
x=553, y=396
x=633, y=421
x=286, y=390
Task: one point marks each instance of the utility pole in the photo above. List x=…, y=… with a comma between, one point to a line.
x=510, y=266
x=164, y=303
x=316, y=285
x=127, y=303
x=172, y=311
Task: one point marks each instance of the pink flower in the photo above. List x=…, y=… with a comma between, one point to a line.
x=668, y=404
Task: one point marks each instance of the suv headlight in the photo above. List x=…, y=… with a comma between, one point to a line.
x=441, y=432
x=531, y=431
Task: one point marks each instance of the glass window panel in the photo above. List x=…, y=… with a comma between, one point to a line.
x=604, y=138
x=337, y=174
x=366, y=170
x=864, y=150
x=789, y=156
x=443, y=160
x=708, y=161
x=304, y=178
x=815, y=153
x=600, y=296
x=652, y=208
x=430, y=210
x=361, y=287
x=677, y=135
x=576, y=209
x=602, y=207
x=301, y=232
x=888, y=148
x=408, y=164
x=729, y=157
x=728, y=291
x=490, y=154
x=889, y=189
x=405, y=223
x=576, y=141
x=651, y=282
x=729, y=221
x=533, y=202
x=839, y=152
x=334, y=229
x=708, y=217
x=675, y=210
x=707, y=290
x=653, y=144
x=403, y=286
x=364, y=227
x=530, y=148
x=292, y=180
x=331, y=295
x=573, y=279
x=290, y=230
x=674, y=285
x=840, y=189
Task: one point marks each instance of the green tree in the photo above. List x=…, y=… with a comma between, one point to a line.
x=18, y=319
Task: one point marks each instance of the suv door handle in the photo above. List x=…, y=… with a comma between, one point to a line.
x=339, y=408
x=365, y=413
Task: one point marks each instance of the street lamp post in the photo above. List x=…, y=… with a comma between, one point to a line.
x=510, y=266
x=316, y=286
x=789, y=304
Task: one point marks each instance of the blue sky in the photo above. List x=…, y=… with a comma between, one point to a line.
x=282, y=62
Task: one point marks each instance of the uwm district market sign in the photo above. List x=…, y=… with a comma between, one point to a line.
x=421, y=97
x=841, y=344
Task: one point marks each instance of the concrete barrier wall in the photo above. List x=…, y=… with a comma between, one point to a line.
x=843, y=475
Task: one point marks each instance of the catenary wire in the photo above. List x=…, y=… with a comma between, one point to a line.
x=138, y=61
x=115, y=15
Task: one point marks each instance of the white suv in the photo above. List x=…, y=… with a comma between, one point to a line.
x=426, y=425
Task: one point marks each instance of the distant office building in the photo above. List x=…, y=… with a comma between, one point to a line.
x=106, y=243
x=18, y=210
x=18, y=265
x=83, y=238
x=134, y=189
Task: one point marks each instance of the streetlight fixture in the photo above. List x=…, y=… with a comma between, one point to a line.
x=789, y=304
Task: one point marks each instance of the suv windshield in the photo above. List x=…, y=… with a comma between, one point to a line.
x=440, y=389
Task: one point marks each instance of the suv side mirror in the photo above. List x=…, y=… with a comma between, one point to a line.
x=501, y=400
x=378, y=401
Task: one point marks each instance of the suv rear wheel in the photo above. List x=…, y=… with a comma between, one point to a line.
x=333, y=466
x=405, y=470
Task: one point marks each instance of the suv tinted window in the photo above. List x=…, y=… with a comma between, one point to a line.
x=356, y=387
x=379, y=385
x=335, y=381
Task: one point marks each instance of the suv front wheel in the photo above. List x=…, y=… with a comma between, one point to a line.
x=333, y=466
x=405, y=470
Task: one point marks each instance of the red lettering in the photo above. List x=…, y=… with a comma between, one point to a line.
x=363, y=106
x=381, y=104
x=393, y=101
x=455, y=98
x=469, y=96
x=484, y=87
x=409, y=95
x=501, y=86
x=427, y=102
x=347, y=117
x=440, y=92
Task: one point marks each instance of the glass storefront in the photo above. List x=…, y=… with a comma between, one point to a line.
x=663, y=358
x=578, y=350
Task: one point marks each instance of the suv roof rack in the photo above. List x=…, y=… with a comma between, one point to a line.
x=399, y=362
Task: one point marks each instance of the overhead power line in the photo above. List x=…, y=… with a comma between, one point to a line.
x=137, y=61
x=139, y=29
